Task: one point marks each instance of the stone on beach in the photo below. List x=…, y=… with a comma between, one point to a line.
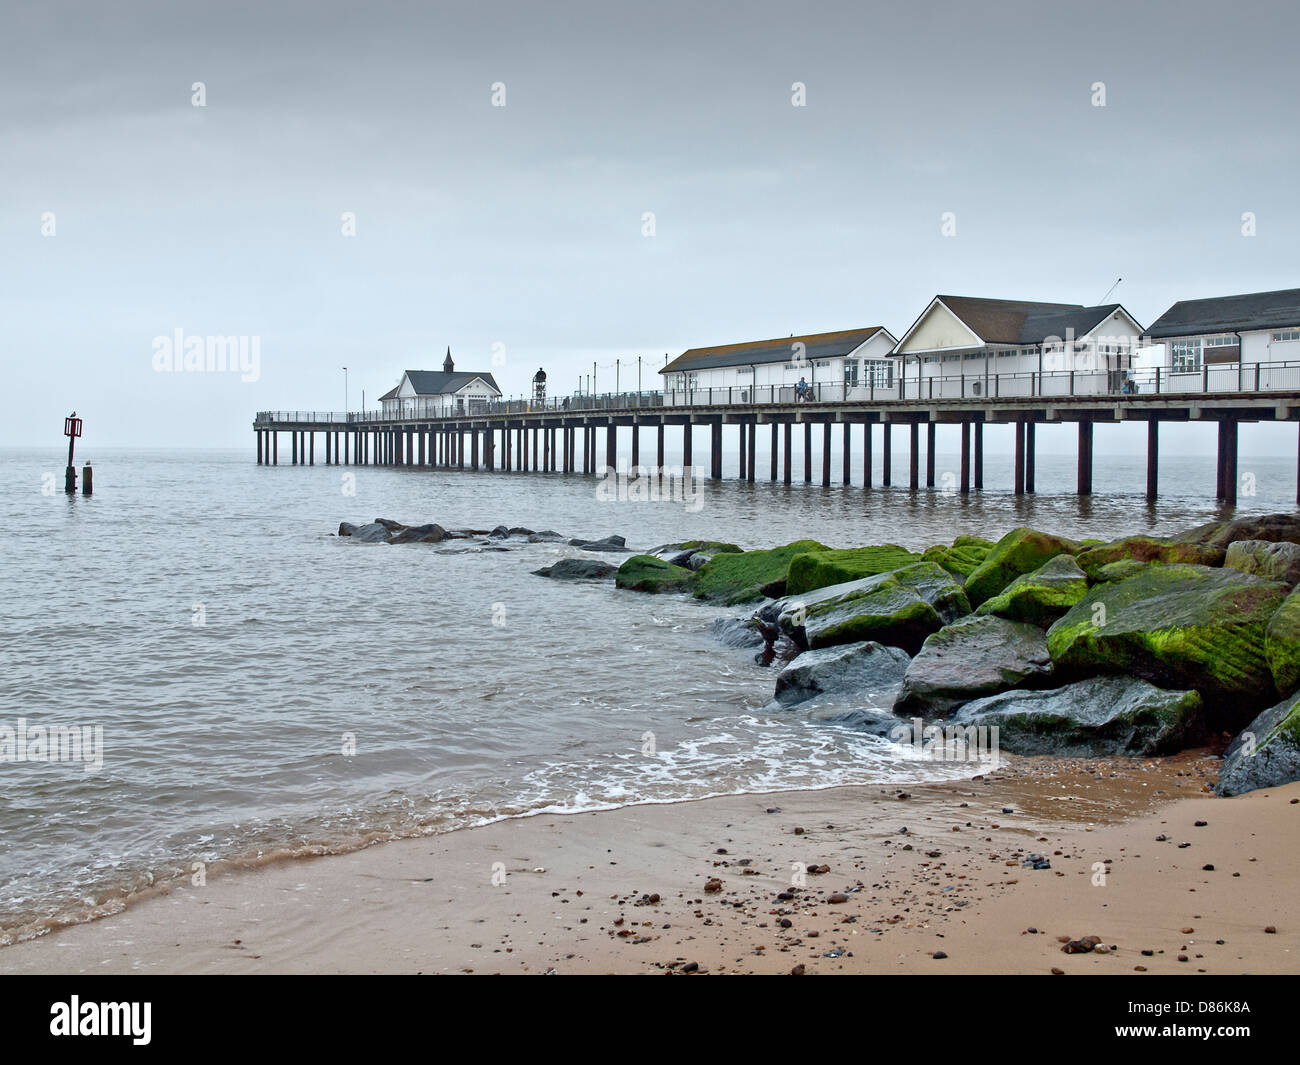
x=1100, y=715
x=1273, y=527
x=1149, y=549
x=818, y=569
x=848, y=668
x=742, y=577
x=1020, y=551
x=1178, y=626
x=608, y=543
x=963, y=557
x=972, y=657
x=1274, y=561
x=646, y=573
x=1267, y=752
x=577, y=569
x=1282, y=644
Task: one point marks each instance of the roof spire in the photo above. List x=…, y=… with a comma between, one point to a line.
x=447, y=365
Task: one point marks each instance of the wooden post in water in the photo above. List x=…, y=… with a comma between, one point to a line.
x=775, y=448
x=826, y=454
x=979, y=456
x=312, y=446
x=1085, y=458
x=1230, y=461
x=715, y=449
x=1153, y=459
x=914, y=459
x=741, y=441
x=786, y=460
x=259, y=447
x=866, y=454
x=887, y=453
x=686, y=443
x=1018, y=480
x=753, y=441
x=847, y=461
x=929, y=454
x=807, y=452
x=1029, y=457
x=965, y=458
x=87, y=480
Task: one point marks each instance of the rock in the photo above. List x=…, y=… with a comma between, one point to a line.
x=668, y=552
x=972, y=657
x=818, y=569
x=1020, y=551
x=420, y=534
x=1266, y=754
x=578, y=569
x=848, y=668
x=937, y=587
x=546, y=536
x=1273, y=527
x=1278, y=561
x=1282, y=645
x=962, y=558
x=1098, y=716
x=499, y=533
x=736, y=632
x=389, y=524
x=881, y=608
x=1148, y=549
x=741, y=577
x=1042, y=596
x=609, y=543
x=1177, y=626
x=1119, y=571
x=374, y=533
x=645, y=573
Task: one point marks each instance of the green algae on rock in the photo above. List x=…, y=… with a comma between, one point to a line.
x=749, y=575
x=818, y=569
x=962, y=558
x=1178, y=626
x=1020, y=551
x=646, y=573
x=1282, y=645
x=1149, y=549
x=1042, y=596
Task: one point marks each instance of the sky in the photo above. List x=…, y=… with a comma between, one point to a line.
x=518, y=234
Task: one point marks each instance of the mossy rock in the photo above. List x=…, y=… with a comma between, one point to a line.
x=1148, y=549
x=714, y=547
x=1098, y=716
x=1177, y=626
x=1282, y=645
x=1120, y=571
x=1277, y=528
x=1021, y=551
x=743, y=577
x=963, y=557
x=646, y=573
x=1042, y=596
x=880, y=608
x=1263, y=558
x=1266, y=754
x=818, y=569
x=937, y=587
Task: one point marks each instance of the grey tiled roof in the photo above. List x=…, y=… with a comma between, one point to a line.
x=1227, y=314
x=779, y=349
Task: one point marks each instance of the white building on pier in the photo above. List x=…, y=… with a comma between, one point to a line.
x=438, y=393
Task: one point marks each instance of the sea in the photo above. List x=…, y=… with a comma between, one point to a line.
x=251, y=687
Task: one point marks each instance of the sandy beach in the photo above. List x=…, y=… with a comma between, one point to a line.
x=932, y=880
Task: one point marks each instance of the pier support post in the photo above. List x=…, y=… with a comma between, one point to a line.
x=741, y=438
x=636, y=446
x=535, y=454
x=311, y=448
x=979, y=456
x=1029, y=458
x=786, y=460
x=715, y=454
x=914, y=458
x=847, y=461
x=659, y=448
x=275, y=448
x=687, y=440
x=1085, y=458
x=775, y=447
x=887, y=454
x=258, y=434
x=929, y=454
x=1019, y=478
x=424, y=454
x=1153, y=459
x=611, y=445
x=293, y=449
x=1228, y=460
x=807, y=452
x=965, y=458
x=826, y=454
x=753, y=441
x=866, y=454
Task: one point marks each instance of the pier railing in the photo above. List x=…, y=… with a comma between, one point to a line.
x=1246, y=378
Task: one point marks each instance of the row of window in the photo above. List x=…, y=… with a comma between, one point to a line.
x=1286, y=335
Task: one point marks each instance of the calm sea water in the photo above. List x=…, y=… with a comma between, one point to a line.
x=199, y=610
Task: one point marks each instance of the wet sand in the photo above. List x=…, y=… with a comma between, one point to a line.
x=939, y=868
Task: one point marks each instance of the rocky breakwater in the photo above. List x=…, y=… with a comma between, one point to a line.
x=1143, y=645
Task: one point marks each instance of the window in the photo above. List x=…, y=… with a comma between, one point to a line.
x=880, y=373
x=823, y=363
x=745, y=371
x=1226, y=341
x=952, y=358
x=1286, y=335
x=1186, y=356
x=851, y=373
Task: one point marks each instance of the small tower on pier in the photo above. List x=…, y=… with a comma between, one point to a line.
x=539, y=387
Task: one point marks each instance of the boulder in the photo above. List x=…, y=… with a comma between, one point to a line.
x=1266, y=754
x=692, y=554
x=1042, y=596
x=609, y=543
x=742, y=577
x=1273, y=527
x=1097, y=716
x=374, y=533
x=389, y=524
x=1020, y=551
x=1282, y=645
x=855, y=669
x=736, y=632
x=645, y=573
x=1149, y=549
x=546, y=536
x=972, y=657
x=1274, y=561
x=1120, y=571
x=419, y=534
x=898, y=609
x=577, y=569
x=1177, y=626
x=818, y=569
x=963, y=557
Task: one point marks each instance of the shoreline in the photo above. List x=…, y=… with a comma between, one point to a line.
x=573, y=891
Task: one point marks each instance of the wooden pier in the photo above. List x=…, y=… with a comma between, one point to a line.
x=564, y=435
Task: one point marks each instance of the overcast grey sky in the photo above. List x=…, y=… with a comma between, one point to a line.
x=523, y=225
